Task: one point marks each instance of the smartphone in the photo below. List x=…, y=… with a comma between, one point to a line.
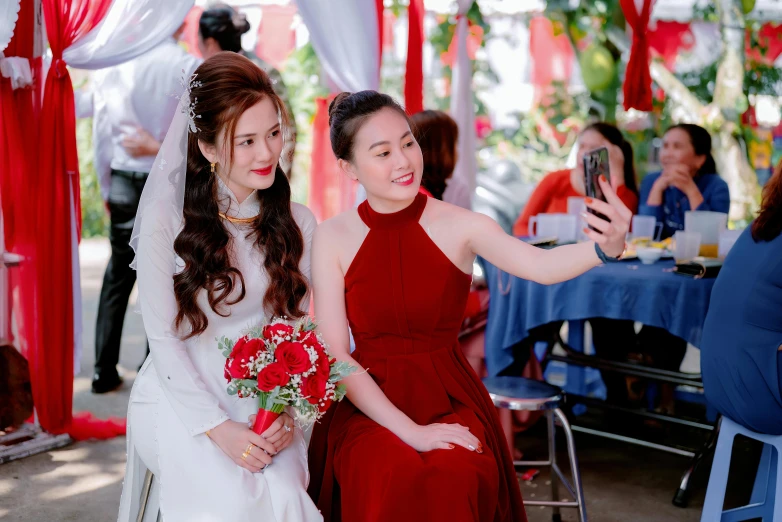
x=595, y=165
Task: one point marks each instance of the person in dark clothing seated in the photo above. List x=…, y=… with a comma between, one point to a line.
x=741, y=350
x=688, y=181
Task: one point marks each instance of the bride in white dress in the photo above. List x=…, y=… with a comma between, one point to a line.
x=219, y=248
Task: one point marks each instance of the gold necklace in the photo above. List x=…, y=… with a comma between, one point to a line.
x=235, y=220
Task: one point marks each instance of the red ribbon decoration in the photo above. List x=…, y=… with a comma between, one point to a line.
x=637, y=88
x=414, y=73
x=263, y=420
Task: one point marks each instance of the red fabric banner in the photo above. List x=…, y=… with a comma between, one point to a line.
x=668, y=39
x=276, y=37
x=51, y=363
x=637, y=87
x=552, y=56
x=190, y=33
x=414, y=73
x=331, y=191
x=19, y=178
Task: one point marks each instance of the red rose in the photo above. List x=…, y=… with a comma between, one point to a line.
x=310, y=340
x=277, y=330
x=243, y=350
x=314, y=388
x=293, y=357
x=323, y=366
x=272, y=376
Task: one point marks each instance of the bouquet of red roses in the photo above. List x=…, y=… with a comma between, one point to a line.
x=284, y=364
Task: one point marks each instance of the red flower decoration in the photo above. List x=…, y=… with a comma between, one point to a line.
x=314, y=388
x=277, y=330
x=236, y=364
x=293, y=357
x=272, y=376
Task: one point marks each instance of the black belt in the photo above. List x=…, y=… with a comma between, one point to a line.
x=130, y=174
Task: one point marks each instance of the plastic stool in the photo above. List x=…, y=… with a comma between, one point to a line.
x=768, y=481
x=520, y=394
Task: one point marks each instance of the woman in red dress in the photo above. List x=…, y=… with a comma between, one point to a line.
x=419, y=438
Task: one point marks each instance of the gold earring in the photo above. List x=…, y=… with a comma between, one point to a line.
x=213, y=167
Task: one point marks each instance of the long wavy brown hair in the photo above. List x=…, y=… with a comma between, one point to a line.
x=768, y=224
x=436, y=133
x=229, y=85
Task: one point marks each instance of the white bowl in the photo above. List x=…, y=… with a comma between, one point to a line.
x=649, y=255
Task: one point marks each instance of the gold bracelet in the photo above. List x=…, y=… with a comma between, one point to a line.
x=208, y=432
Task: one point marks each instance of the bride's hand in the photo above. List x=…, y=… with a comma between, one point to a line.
x=610, y=233
x=234, y=438
x=442, y=436
x=280, y=433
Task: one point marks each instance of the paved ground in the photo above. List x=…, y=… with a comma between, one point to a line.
x=82, y=482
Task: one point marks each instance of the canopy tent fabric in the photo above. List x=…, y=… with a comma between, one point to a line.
x=346, y=37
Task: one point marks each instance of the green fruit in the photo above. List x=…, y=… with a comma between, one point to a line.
x=597, y=67
x=747, y=6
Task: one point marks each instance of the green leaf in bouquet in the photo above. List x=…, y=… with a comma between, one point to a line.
x=340, y=390
x=226, y=346
x=340, y=370
x=232, y=390
x=249, y=383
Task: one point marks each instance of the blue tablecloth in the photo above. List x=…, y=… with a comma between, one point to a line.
x=651, y=294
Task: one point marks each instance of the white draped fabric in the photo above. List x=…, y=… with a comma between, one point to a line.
x=462, y=107
x=9, y=14
x=130, y=29
x=345, y=37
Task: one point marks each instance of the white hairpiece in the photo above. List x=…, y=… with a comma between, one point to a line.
x=189, y=109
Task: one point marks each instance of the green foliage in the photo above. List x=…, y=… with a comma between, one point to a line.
x=545, y=135
x=94, y=219
x=441, y=39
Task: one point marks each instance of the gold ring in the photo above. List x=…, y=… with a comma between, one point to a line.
x=247, y=451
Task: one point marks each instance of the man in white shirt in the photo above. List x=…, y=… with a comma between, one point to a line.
x=133, y=106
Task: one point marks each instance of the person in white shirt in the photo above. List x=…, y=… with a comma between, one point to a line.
x=220, y=248
x=133, y=105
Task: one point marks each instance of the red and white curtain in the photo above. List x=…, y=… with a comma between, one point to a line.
x=346, y=35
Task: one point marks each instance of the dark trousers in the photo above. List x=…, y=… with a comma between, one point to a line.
x=615, y=339
x=119, y=278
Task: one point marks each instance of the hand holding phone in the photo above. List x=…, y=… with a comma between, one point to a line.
x=595, y=165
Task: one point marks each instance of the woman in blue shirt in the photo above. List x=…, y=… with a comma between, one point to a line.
x=688, y=181
x=741, y=359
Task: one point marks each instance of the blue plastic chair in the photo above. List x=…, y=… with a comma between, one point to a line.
x=768, y=480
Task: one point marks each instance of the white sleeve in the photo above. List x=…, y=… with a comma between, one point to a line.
x=197, y=408
x=83, y=103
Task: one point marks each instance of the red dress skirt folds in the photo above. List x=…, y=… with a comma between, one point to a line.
x=405, y=301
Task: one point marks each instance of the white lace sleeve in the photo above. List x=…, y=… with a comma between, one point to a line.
x=194, y=404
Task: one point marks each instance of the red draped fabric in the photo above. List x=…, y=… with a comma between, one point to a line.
x=637, y=87
x=325, y=175
x=276, y=37
x=190, y=33
x=668, y=39
x=51, y=362
x=552, y=56
x=331, y=191
x=18, y=176
x=414, y=74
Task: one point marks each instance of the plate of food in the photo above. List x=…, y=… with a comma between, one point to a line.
x=647, y=244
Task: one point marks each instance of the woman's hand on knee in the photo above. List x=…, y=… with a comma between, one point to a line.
x=443, y=436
